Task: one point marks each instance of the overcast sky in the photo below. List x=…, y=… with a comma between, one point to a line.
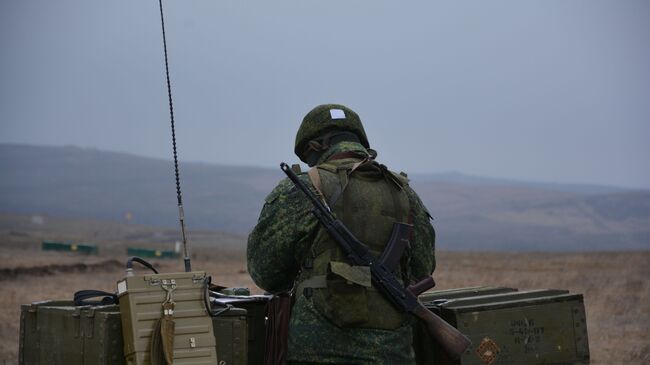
x=536, y=90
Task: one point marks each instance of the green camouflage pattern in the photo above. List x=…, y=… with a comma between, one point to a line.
x=370, y=203
x=312, y=338
x=319, y=122
x=276, y=247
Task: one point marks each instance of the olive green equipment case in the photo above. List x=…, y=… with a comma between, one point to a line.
x=506, y=327
x=141, y=299
x=509, y=327
x=58, y=332
x=231, y=332
x=256, y=317
x=254, y=309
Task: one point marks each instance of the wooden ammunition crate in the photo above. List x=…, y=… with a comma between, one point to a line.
x=509, y=327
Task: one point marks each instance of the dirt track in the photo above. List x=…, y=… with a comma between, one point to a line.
x=9, y=273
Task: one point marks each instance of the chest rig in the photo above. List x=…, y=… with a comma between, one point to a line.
x=368, y=199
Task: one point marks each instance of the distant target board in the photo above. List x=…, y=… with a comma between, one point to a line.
x=148, y=252
x=84, y=248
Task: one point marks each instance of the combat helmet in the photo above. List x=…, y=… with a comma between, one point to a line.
x=326, y=125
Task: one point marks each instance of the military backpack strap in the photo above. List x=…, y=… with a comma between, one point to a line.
x=399, y=206
x=314, y=282
x=403, y=211
x=314, y=177
x=344, y=178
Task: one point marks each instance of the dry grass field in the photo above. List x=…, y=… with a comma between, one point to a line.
x=615, y=284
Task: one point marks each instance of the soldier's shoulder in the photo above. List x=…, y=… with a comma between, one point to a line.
x=402, y=177
x=416, y=203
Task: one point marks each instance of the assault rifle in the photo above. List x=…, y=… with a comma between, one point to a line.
x=448, y=337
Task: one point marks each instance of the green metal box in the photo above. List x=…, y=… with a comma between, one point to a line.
x=256, y=317
x=255, y=307
x=512, y=327
x=57, y=332
x=150, y=252
x=430, y=297
x=231, y=333
x=141, y=298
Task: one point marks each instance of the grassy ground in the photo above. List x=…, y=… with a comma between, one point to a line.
x=615, y=284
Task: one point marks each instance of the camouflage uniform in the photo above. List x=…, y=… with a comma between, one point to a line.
x=276, y=249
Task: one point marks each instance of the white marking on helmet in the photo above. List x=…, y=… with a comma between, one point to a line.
x=337, y=114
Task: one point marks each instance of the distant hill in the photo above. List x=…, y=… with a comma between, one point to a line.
x=470, y=212
x=457, y=177
x=79, y=182
x=518, y=218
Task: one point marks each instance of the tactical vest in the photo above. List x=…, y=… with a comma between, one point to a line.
x=368, y=199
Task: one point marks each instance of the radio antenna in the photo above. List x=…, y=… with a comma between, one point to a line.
x=179, y=196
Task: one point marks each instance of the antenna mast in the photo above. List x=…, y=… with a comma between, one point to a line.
x=179, y=197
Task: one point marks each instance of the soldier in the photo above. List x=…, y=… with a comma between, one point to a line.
x=338, y=316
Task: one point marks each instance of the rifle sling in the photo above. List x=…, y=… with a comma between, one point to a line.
x=314, y=177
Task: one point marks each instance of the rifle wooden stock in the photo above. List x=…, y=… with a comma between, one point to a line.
x=449, y=338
